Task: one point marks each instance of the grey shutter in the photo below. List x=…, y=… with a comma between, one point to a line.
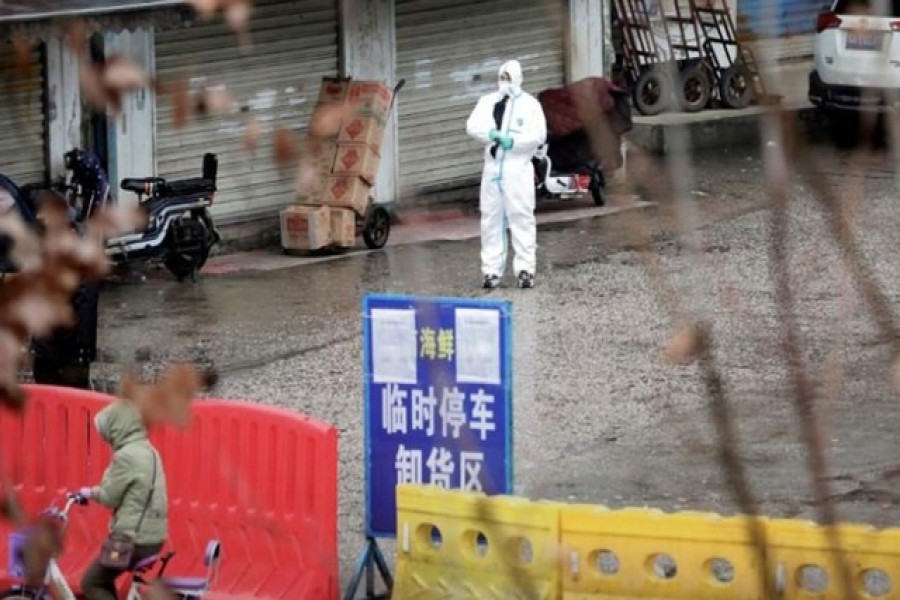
x=450, y=52
x=295, y=44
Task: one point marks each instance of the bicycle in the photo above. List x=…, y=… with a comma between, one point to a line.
x=183, y=588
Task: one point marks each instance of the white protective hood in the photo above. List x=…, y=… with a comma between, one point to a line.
x=514, y=70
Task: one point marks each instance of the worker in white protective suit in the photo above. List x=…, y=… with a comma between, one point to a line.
x=511, y=125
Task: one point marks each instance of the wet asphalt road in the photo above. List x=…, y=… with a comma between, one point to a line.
x=599, y=417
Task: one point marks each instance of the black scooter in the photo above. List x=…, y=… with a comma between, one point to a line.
x=180, y=229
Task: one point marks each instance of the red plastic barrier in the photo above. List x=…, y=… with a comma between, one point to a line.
x=261, y=480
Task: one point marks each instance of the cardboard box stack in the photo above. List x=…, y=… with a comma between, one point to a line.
x=344, y=147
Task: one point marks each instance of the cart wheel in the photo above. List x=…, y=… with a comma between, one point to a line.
x=736, y=86
x=652, y=92
x=694, y=88
x=598, y=188
x=378, y=228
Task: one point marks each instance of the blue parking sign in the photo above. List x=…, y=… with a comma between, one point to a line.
x=438, y=391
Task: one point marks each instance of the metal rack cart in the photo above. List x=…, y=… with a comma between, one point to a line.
x=734, y=66
x=375, y=225
x=646, y=61
x=694, y=81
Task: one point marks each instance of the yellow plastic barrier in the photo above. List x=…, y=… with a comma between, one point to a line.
x=634, y=553
x=458, y=545
x=806, y=565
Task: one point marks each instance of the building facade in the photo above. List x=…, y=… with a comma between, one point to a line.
x=447, y=51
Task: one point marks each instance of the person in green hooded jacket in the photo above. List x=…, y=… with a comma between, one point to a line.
x=134, y=488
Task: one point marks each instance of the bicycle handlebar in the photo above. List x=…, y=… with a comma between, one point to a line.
x=72, y=498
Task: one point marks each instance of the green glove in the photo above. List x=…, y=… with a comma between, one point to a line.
x=506, y=141
x=494, y=135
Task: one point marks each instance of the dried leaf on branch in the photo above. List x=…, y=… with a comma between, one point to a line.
x=10, y=507
x=284, y=147
x=22, y=66
x=103, y=86
x=235, y=12
x=109, y=222
x=252, y=133
x=43, y=543
x=75, y=36
x=308, y=175
x=326, y=120
x=182, y=104
x=237, y=15
x=36, y=299
x=124, y=75
x=168, y=399
x=34, y=306
x=11, y=355
x=211, y=100
x=684, y=347
x=205, y=8
x=157, y=591
x=25, y=247
x=214, y=100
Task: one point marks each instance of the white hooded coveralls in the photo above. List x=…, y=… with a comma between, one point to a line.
x=507, y=183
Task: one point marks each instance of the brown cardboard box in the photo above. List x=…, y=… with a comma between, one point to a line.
x=333, y=90
x=315, y=169
x=343, y=227
x=357, y=159
x=313, y=194
x=320, y=153
x=348, y=192
x=361, y=129
x=370, y=98
x=305, y=227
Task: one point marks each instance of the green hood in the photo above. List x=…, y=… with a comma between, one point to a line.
x=120, y=424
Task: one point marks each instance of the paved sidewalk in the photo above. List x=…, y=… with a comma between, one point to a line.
x=417, y=227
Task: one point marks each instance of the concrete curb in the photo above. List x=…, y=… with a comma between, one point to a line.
x=705, y=130
x=417, y=227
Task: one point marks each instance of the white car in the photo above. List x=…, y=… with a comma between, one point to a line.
x=857, y=58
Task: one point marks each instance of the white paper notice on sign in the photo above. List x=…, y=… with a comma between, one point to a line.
x=394, y=345
x=478, y=346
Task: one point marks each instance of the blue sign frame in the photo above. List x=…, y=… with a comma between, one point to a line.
x=454, y=382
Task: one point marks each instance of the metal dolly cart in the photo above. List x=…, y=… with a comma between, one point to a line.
x=695, y=78
x=375, y=225
x=646, y=61
x=668, y=59
x=737, y=78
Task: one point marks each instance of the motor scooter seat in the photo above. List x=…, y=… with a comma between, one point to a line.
x=184, y=187
x=145, y=185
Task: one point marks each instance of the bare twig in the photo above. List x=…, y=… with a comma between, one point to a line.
x=735, y=473
x=702, y=343
x=804, y=401
x=842, y=232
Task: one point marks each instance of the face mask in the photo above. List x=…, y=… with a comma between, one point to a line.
x=509, y=89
